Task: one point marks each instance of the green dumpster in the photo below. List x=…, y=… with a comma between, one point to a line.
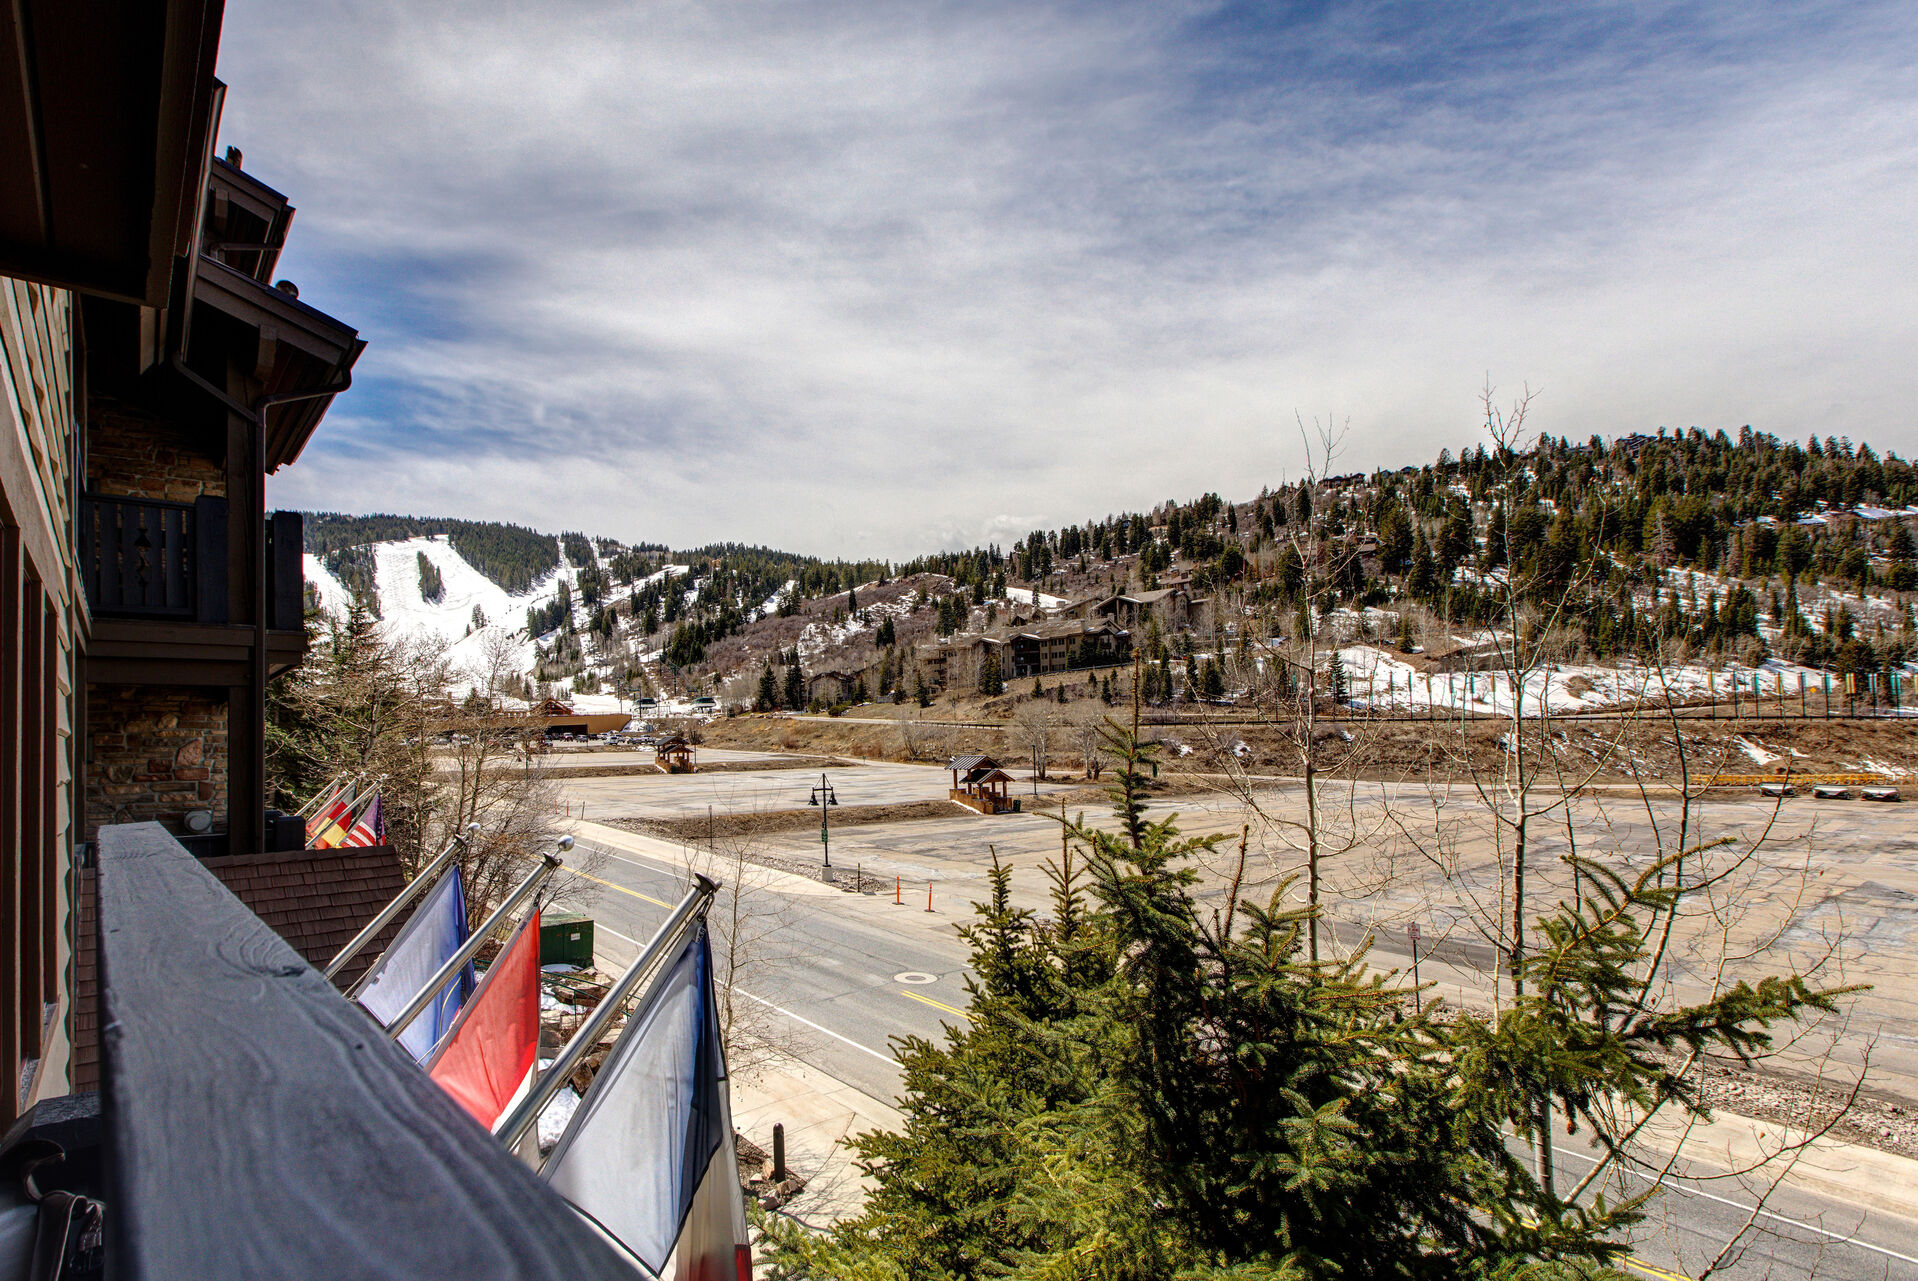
x=566, y=938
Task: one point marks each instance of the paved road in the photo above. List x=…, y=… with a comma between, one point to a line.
x=858, y=970
x=836, y=981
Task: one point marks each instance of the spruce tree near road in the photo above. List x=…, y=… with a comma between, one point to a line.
x=1149, y=1085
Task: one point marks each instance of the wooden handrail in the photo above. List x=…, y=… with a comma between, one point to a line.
x=257, y=1125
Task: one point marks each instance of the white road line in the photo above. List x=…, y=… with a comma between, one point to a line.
x=1685, y=1190
x=887, y=1059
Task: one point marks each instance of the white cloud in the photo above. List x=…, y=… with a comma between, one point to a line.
x=860, y=279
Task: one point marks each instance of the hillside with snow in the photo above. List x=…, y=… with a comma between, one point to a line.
x=472, y=612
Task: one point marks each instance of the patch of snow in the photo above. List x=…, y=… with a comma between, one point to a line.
x=1027, y=596
x=555, y=1116
x=1758, y=755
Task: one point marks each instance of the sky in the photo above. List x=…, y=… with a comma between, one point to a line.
x=863, y=279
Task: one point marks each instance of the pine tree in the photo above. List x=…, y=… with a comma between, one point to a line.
x=1151, y=1084
x=795, y=688
x=768, y=690
x=991, y=682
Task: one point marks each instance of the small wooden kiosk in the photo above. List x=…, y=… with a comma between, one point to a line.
x=978, y=783
x=674, y=755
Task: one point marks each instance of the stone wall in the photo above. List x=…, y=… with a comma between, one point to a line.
x=156, y=755
x=134, y=454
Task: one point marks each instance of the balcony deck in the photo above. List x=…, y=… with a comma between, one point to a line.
x=258, y=1125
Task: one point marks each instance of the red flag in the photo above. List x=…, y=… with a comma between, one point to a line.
x=490, y=1052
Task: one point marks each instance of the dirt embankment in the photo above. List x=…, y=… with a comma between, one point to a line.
x=725, y=826
x=1595, y=751
x=570, y=769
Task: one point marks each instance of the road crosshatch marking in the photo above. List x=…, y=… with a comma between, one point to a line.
x=937, y=1005
x=614, y=885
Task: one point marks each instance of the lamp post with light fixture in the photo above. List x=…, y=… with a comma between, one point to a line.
x=823, y=797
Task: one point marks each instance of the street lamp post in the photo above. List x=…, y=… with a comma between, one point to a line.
x=824, y=798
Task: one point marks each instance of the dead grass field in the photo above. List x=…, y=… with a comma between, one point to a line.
x=1596, y=751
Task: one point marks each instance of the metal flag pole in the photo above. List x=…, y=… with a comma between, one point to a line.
x=427, y=995
x=393, y=909
x=325, y=794
x=513, y=1126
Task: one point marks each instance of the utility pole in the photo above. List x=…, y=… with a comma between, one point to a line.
x=824, y=797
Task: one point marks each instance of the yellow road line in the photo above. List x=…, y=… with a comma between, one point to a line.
x=621, y=888
x=937, y=1005
x=1632, y=1261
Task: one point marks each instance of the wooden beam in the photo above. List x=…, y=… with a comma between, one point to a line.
x=12, y=979
x=229, y=1063
x=30, y=744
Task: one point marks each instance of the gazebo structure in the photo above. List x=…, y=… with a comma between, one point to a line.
x=674, y=755
x=978, y=783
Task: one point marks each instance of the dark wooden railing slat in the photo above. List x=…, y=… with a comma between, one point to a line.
x=259, y=1126
x=209, y=559
x=175, y=522
x=127, y=595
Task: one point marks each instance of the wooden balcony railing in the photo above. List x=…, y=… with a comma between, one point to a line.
x=148, y=558
x=258, y=1125
x=145, y=558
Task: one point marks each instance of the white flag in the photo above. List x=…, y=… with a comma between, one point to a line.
x=648, y=1155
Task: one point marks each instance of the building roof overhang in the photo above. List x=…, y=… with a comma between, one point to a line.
x=297, y=351
x=246, y=222
x=106, y=119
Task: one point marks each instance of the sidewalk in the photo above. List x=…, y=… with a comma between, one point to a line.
x=817, y=1111
x=1846, y=1172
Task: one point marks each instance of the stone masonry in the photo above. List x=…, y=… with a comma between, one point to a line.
x=157, y=754
x=148, y=457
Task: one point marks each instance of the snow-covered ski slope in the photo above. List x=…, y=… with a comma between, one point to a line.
x=404, y=612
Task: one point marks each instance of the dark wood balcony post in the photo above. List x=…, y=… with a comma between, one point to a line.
x=210, y=559
x=288, y=581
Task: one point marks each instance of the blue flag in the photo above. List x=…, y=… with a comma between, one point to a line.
x=648, y=1155
x=430, y=938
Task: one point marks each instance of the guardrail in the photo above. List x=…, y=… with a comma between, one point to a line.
x=1854, y=779
x=258, y=1125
